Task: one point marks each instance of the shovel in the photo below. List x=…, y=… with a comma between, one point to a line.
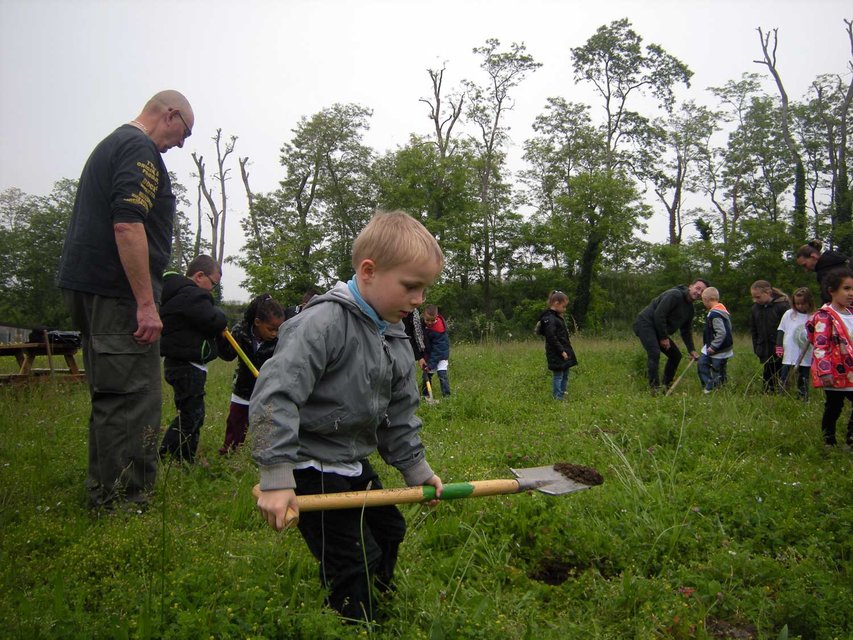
x=678, y=379
x=240, y=352
x=555, y=480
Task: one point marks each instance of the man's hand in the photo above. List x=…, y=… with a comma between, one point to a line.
x=827, y=381
x=149, y=326
x=279, y=507
x=694, y=355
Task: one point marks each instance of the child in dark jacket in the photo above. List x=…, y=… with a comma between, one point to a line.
x=257, y=336
x=437, y=348
x=191, y=323
x=770, y=305
x=558, y=350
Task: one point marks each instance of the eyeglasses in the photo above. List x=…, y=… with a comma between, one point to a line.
x=187, y=131
x=213, y=282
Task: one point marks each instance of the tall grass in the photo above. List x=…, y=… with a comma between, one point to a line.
x=720, y=516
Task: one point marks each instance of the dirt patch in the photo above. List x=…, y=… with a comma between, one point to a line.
x=556, y=570
x=553, y=572
x=578, y=473
x=728, y=631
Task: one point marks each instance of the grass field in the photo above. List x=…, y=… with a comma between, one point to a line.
x=720, y=516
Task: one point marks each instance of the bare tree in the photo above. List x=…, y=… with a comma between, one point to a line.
x=218, y=214
x=843, y=200
x=250, y=197
x=443, y=122
x=799, y=221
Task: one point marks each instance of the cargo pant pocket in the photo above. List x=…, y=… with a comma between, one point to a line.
x=119, y=364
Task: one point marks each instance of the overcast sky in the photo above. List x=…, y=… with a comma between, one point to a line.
x=73, y=70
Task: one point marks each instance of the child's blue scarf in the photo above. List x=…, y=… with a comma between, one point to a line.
x=381, y=325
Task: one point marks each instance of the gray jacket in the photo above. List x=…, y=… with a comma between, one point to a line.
x=336, y=390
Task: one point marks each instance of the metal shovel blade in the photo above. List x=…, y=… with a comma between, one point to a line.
x=547, y=480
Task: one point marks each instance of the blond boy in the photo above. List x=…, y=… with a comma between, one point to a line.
x=338, y=388
x=717, y=341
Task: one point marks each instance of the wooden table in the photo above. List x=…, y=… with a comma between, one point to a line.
x=26, y=352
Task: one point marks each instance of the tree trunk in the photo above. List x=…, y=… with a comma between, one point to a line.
x=583, y=292
x=799, y=217
x=253, y=218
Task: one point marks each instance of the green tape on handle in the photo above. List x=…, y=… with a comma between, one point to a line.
x=452, y=491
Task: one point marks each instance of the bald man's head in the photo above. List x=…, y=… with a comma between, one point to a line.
x=167, y=100
x=168, y=119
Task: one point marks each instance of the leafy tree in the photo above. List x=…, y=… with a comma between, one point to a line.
x=566, y=145
x=301, y=234
x=614, y=61
x=758, y=165
x=672, y=156
x=32, y=232
x=487, y=107
x=607, y=208
x=439, y=191
x=184, y=249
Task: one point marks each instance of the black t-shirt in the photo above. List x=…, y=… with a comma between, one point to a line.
x=124, y=180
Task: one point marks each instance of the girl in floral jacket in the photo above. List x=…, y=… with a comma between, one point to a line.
x=829, y=330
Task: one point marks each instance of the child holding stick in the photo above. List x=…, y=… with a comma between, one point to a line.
x=338, y=388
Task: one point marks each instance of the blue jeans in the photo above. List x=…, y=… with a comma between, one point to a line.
x=712, y=371
x=559, y=384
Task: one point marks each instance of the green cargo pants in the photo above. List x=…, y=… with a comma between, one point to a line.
x=126, y=391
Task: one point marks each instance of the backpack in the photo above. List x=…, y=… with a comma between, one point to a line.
x=539, y=328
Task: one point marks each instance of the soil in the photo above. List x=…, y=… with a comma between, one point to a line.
x=553, y=572
x=578, y=473
x=728, y=631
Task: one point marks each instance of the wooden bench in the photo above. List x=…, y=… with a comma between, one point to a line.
x=26, y=352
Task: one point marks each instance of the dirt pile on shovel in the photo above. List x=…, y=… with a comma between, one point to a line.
x=578, y=473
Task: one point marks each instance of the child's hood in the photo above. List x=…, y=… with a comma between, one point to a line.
x=439, y=326
x=341, y=294
x=720, y=307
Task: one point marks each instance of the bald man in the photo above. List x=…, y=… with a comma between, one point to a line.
x=111, y=273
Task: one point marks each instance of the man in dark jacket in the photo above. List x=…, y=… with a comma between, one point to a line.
x=191, y=323
x=809, y=257
x=670, y=311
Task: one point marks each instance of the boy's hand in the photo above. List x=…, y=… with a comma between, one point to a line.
x=279, y=507
x=435, y=481
x=780, y=351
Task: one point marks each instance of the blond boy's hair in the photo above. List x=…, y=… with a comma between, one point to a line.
x=711, y=293
x=392, y=238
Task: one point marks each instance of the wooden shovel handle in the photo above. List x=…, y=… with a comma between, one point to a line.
x=384, y=497
x=240, y=352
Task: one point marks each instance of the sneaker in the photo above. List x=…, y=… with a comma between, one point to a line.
x=707, y=392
